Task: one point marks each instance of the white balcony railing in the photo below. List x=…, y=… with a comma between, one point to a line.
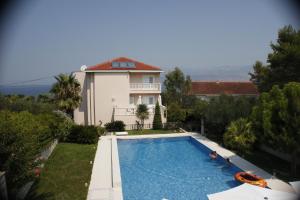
x=132, y=110
x=145, y=86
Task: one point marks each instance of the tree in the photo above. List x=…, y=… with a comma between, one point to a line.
x=260, y=76
x=176, y=113
x=157, y=124
x=283, y=62
x=221, y=110
x=276, y=120
x=66, y=93
x=239, y=136
x=197, y=114
x=142, y=113
x=177, y=86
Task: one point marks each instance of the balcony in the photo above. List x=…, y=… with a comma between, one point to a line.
x=145, y=87
x=132, y=110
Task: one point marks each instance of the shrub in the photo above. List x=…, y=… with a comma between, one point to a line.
x=23, y=136
x=172, y=125
x=100, y=130
x=83, y=134
x=115, y=126
x=239, y=136
x=62, y=125
x=157, y=124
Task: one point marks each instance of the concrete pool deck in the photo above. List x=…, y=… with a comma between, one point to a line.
x=105, y=181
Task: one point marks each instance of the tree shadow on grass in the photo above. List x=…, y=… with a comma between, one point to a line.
x=34, y=195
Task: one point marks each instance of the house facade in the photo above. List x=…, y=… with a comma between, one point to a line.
x=207, y=89
x=112, y=91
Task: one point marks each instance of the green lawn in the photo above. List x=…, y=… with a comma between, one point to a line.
x=65, y=173
x=149, y=131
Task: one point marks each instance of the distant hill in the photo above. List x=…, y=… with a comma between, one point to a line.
x=225, y=73
x=32, y=90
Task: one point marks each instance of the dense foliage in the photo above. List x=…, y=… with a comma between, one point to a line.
x=61, y=125
x=66, y=93
x=115, y=126
x=142, y=113
x=157, y=123
x=176, y=113
x=83, y=134
x=276, y=120
x=23, y=136
x=27, y=125
x=239, y=136
x=31, y=104
x=283, y=64
x=220, y=111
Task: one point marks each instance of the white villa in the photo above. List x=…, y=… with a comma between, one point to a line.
x=113, y=89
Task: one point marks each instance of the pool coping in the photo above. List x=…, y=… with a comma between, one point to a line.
x=273, y=182
x=106, y=180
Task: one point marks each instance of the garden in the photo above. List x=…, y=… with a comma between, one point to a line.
x=29, y=127
x=246, y=125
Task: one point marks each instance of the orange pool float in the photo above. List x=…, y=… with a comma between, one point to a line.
x=252, y=179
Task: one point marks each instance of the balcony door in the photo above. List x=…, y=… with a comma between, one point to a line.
x=148, y=100
x=148, y=79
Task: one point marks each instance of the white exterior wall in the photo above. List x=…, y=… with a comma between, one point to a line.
x=80, y=114
x=111, y=89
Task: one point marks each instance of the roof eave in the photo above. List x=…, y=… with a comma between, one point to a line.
x=123, y=71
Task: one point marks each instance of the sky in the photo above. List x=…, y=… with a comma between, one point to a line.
x=207, y=39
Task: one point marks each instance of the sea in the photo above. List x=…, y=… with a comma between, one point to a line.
x=30, y=90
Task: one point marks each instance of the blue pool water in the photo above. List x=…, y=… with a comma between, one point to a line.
x=171, y=168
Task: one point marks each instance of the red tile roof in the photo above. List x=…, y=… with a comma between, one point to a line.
x=219, y=87
x=108, y=65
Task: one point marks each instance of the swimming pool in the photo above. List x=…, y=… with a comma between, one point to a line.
x=171, y=168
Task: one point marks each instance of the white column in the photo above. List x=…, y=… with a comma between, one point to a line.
x=159, y=100
x=139, y=100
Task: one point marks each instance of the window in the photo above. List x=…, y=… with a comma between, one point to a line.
x=148, y=100
x=123, y=64
x=151, y=100
x=148, y=79
x=115, y=64
x=131, y=100
x=151, y=79
x=131, y=64
x=144, y=100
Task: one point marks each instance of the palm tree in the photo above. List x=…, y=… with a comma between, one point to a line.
x=142, y=113
x=239, y=136
x=66, y=93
